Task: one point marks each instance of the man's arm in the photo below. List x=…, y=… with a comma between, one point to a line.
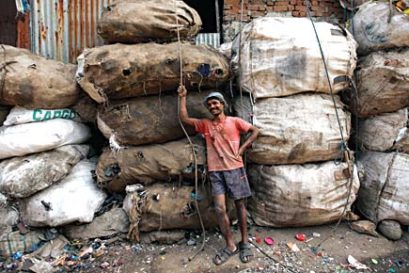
x=183, y=114
x=254, y=133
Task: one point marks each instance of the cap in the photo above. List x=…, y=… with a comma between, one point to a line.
x=216, y=95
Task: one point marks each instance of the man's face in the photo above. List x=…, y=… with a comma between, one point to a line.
x=215, y=107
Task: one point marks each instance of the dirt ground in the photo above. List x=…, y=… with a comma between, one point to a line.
x=326, y=253
x=325, y=250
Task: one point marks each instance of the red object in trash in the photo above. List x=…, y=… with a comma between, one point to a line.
x=258, y=239
x=269, y=241
x=300, y=237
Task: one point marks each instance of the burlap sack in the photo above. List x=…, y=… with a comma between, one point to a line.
x=148, y=164
x=166, y=207
x=384, y=190
x=296, y=129
x=136, y=21
x=378, y=26
x=86, y=109
x=31, y=81
x=384, y=132
x=382, y=83
x=301, y=195
x=124, y=71
x=12, y=242
x=21, y=177
x=147, y=120
x=277, y=56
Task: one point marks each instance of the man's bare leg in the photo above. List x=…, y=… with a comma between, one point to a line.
x=242, y=217
x=223, y=221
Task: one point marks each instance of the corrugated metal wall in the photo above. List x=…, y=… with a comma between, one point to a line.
x=60, y=29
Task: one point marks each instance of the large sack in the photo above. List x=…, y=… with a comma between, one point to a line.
x=382, y=83
x=75, y=198
x=4, y=111
x=136, y=21
x=165, y=206
x=147, y=120
x=32, y=81
x=86, y=109
x=21, y=177
x=148, y=164
x=384, y=192
x=373, y=30
x=110, y=223
x=42, y=136
x=301, y=195
x=280, y=56
x=384, y=132
x=123, y=71
x=21, y=115
x=297, y=129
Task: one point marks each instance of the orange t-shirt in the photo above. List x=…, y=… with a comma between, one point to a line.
x=223, y=142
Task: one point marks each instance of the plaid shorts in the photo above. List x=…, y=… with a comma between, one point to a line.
x=234, y=182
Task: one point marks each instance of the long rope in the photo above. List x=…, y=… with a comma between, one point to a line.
x=344, y=147
x=190, y=141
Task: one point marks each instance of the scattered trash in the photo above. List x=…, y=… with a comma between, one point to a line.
x=391, y=270
x=300, y=237
x=374, y=261
x=355, y=264
x=293, y=247
x=17, y=256
x=316, y=235
x=269, y=241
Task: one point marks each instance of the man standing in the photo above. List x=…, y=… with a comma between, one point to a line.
x=225, y=166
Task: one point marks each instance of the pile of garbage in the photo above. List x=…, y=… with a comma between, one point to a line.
x=297, y=170
x=381, y=103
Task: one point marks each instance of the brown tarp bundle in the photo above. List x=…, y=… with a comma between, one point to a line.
x=124, y=71
x=31, y=81
x=148, y=164
x=165, y=207
x=147, y=120
x=301, y=195
x=136, y=21
x=382, y=83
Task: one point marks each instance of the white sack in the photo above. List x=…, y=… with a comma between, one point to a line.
x=75, y=198
x=372, y=30
x=382, y=83
x=20, y=115
x=281, y=56
x=298, y=129
x=300, y=195
x=384, y=192
x=37, y=137
x=384, y=132
x=23, y=176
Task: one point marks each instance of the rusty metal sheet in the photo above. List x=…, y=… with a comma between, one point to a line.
x=61, y=29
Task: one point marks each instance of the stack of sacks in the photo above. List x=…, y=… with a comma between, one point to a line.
x=381, y=104
x=40, y=147
x=281, y=67
x=136, y=87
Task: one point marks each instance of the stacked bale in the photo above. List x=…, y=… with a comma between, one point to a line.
x=381, y=103
x=282, y=69
x=41, y=144
x=134, y=80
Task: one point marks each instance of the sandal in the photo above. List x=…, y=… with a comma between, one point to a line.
x=246, y=255
x=223, y=255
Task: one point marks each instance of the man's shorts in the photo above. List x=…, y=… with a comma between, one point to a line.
x=232, y=182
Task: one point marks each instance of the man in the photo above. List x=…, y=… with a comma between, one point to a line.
x=226, y=168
